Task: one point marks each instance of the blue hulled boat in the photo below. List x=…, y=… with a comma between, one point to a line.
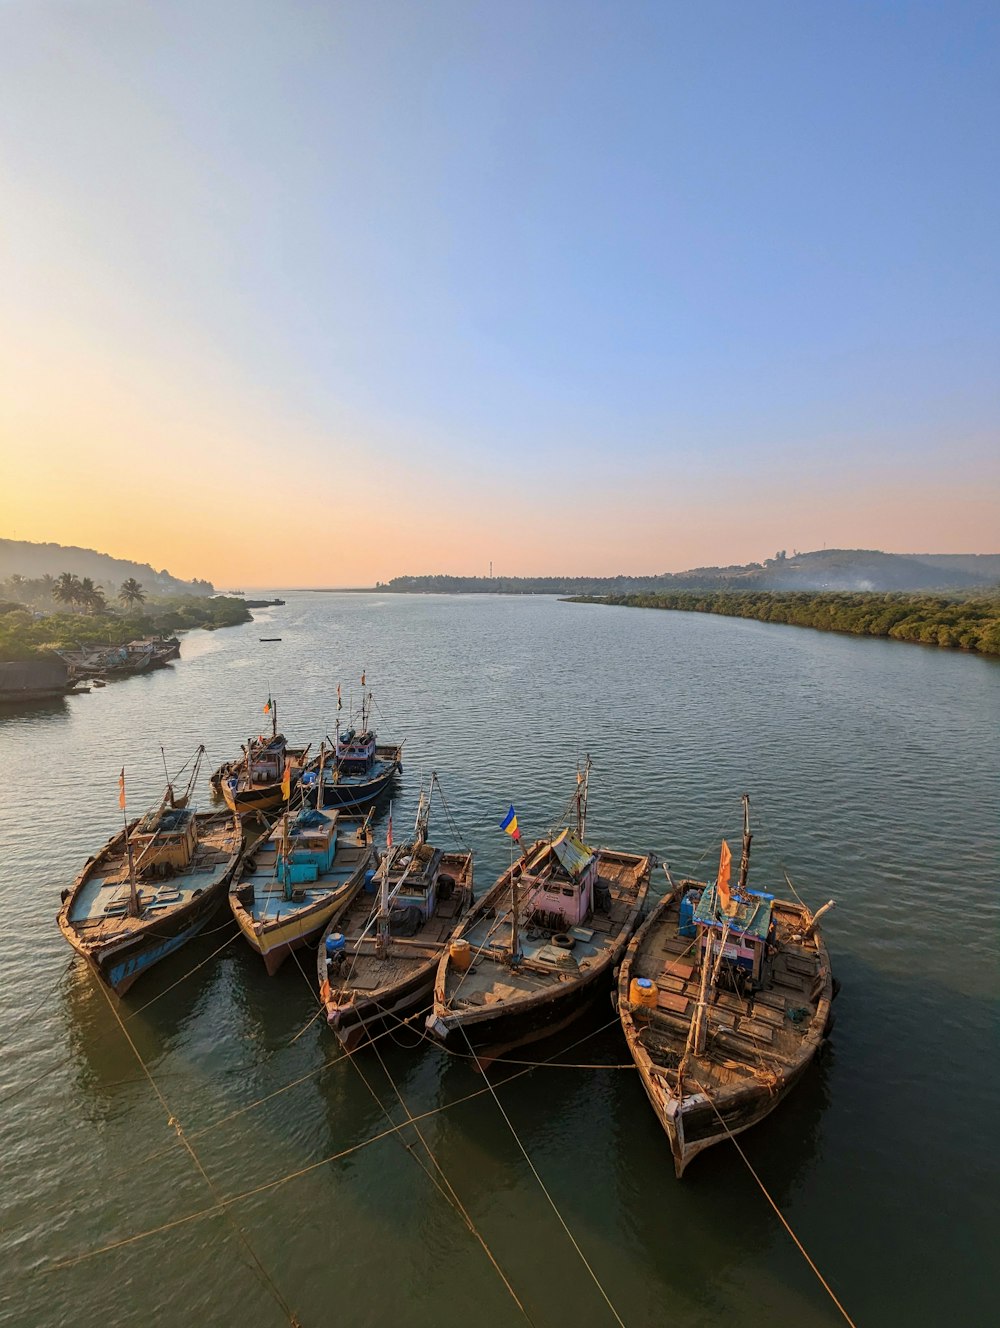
x=151, y=888
x=357, y=769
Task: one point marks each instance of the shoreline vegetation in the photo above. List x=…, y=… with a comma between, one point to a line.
x=26, y=634
x=964, y=622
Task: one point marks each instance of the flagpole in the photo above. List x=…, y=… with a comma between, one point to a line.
x=514, y=955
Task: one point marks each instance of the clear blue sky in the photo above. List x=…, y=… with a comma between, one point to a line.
x=573, y=286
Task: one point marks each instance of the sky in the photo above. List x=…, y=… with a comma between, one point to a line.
x=302, y=293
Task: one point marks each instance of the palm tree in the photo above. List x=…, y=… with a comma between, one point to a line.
x=131, y=593
x=90, y=596
x=67, y=589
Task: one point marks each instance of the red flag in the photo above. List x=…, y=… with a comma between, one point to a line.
x=362, y=680
x=121, y=789
x=388, y=832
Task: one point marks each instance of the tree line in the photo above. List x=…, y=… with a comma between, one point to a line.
x=69, y=612
x=967, y=621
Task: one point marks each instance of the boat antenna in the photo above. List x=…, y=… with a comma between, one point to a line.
x=274, y=719
x=747, y=837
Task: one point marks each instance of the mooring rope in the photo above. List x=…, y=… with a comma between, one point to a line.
x=264, y=1276
x=781, y=1217
x=534, y=1171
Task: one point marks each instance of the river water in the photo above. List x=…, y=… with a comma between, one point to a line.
x=874, y=777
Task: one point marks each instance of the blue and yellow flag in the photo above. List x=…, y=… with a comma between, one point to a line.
x=509, y=824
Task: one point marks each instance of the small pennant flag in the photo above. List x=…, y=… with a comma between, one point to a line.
x=362, y=680
x=509, y=824
x=388, y=831
x=722, y=885
x=267, y=707
x=340, y=703
x=286, y=781
x=121, y=789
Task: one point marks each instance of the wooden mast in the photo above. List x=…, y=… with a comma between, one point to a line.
x=747, y=837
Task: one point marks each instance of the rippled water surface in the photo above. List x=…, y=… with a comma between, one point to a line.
x=874, y=777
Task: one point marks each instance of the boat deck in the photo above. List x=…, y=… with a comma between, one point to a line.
x=100, y=907
x=269, y=902
x=491, y=980
x=748, y=1036
x=365, y=970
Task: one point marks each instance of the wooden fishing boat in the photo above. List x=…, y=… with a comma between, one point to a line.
x=541, y=944
x=153, y=886
x=356, y=769
x=310, y=866
x=262, y=779
x=724, y=998
x=380, y=953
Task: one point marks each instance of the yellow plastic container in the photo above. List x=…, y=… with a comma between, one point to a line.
x=643, y=992
x=460, y=953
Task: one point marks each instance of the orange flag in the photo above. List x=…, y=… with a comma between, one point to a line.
x=722, y=885
x=121, y=789
x=362, y=680
x=286, y=781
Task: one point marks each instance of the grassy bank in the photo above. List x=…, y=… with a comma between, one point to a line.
x=25, y=636
x=965, y=622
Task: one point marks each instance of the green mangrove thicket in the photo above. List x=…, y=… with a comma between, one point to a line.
x=966, y=622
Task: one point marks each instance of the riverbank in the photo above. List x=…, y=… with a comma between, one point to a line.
x=26, y=636
x=967, y=622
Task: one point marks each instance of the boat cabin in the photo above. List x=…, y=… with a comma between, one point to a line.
x=415, y=874
x=164, y=841
x=306, y=847
x=266, y=759
x=749, y=926
x=558, y=887
x=355, y=752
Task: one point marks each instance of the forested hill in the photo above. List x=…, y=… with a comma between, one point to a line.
x=826, y=569
x=27, y=560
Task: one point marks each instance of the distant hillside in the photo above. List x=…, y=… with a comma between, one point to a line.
x=826, y=569
x=22, y=558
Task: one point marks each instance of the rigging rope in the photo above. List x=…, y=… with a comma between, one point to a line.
x=309, y=1167
x=534, y=1171
x=781, y=1217
x=265, y=1278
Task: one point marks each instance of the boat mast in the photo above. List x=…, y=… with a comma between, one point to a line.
x=382, y=933
x=747, y=837
x=170, y=787
x=133, y=903
x=582, y=785
x=319, y=778
x=274, y=719
x=514, y=938
x=286, y=867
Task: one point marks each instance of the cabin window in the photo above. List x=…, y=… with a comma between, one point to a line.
x=568, y=893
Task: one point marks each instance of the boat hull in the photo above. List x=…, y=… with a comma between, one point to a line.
x=346, y=795
x=360, y=1021
x=490, y=1035
x=253, y=801
x=121, y=963
x=274, y=942
x=695, y=1110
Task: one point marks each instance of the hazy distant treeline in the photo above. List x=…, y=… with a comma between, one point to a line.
x=822, y=570
x=969, y=622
